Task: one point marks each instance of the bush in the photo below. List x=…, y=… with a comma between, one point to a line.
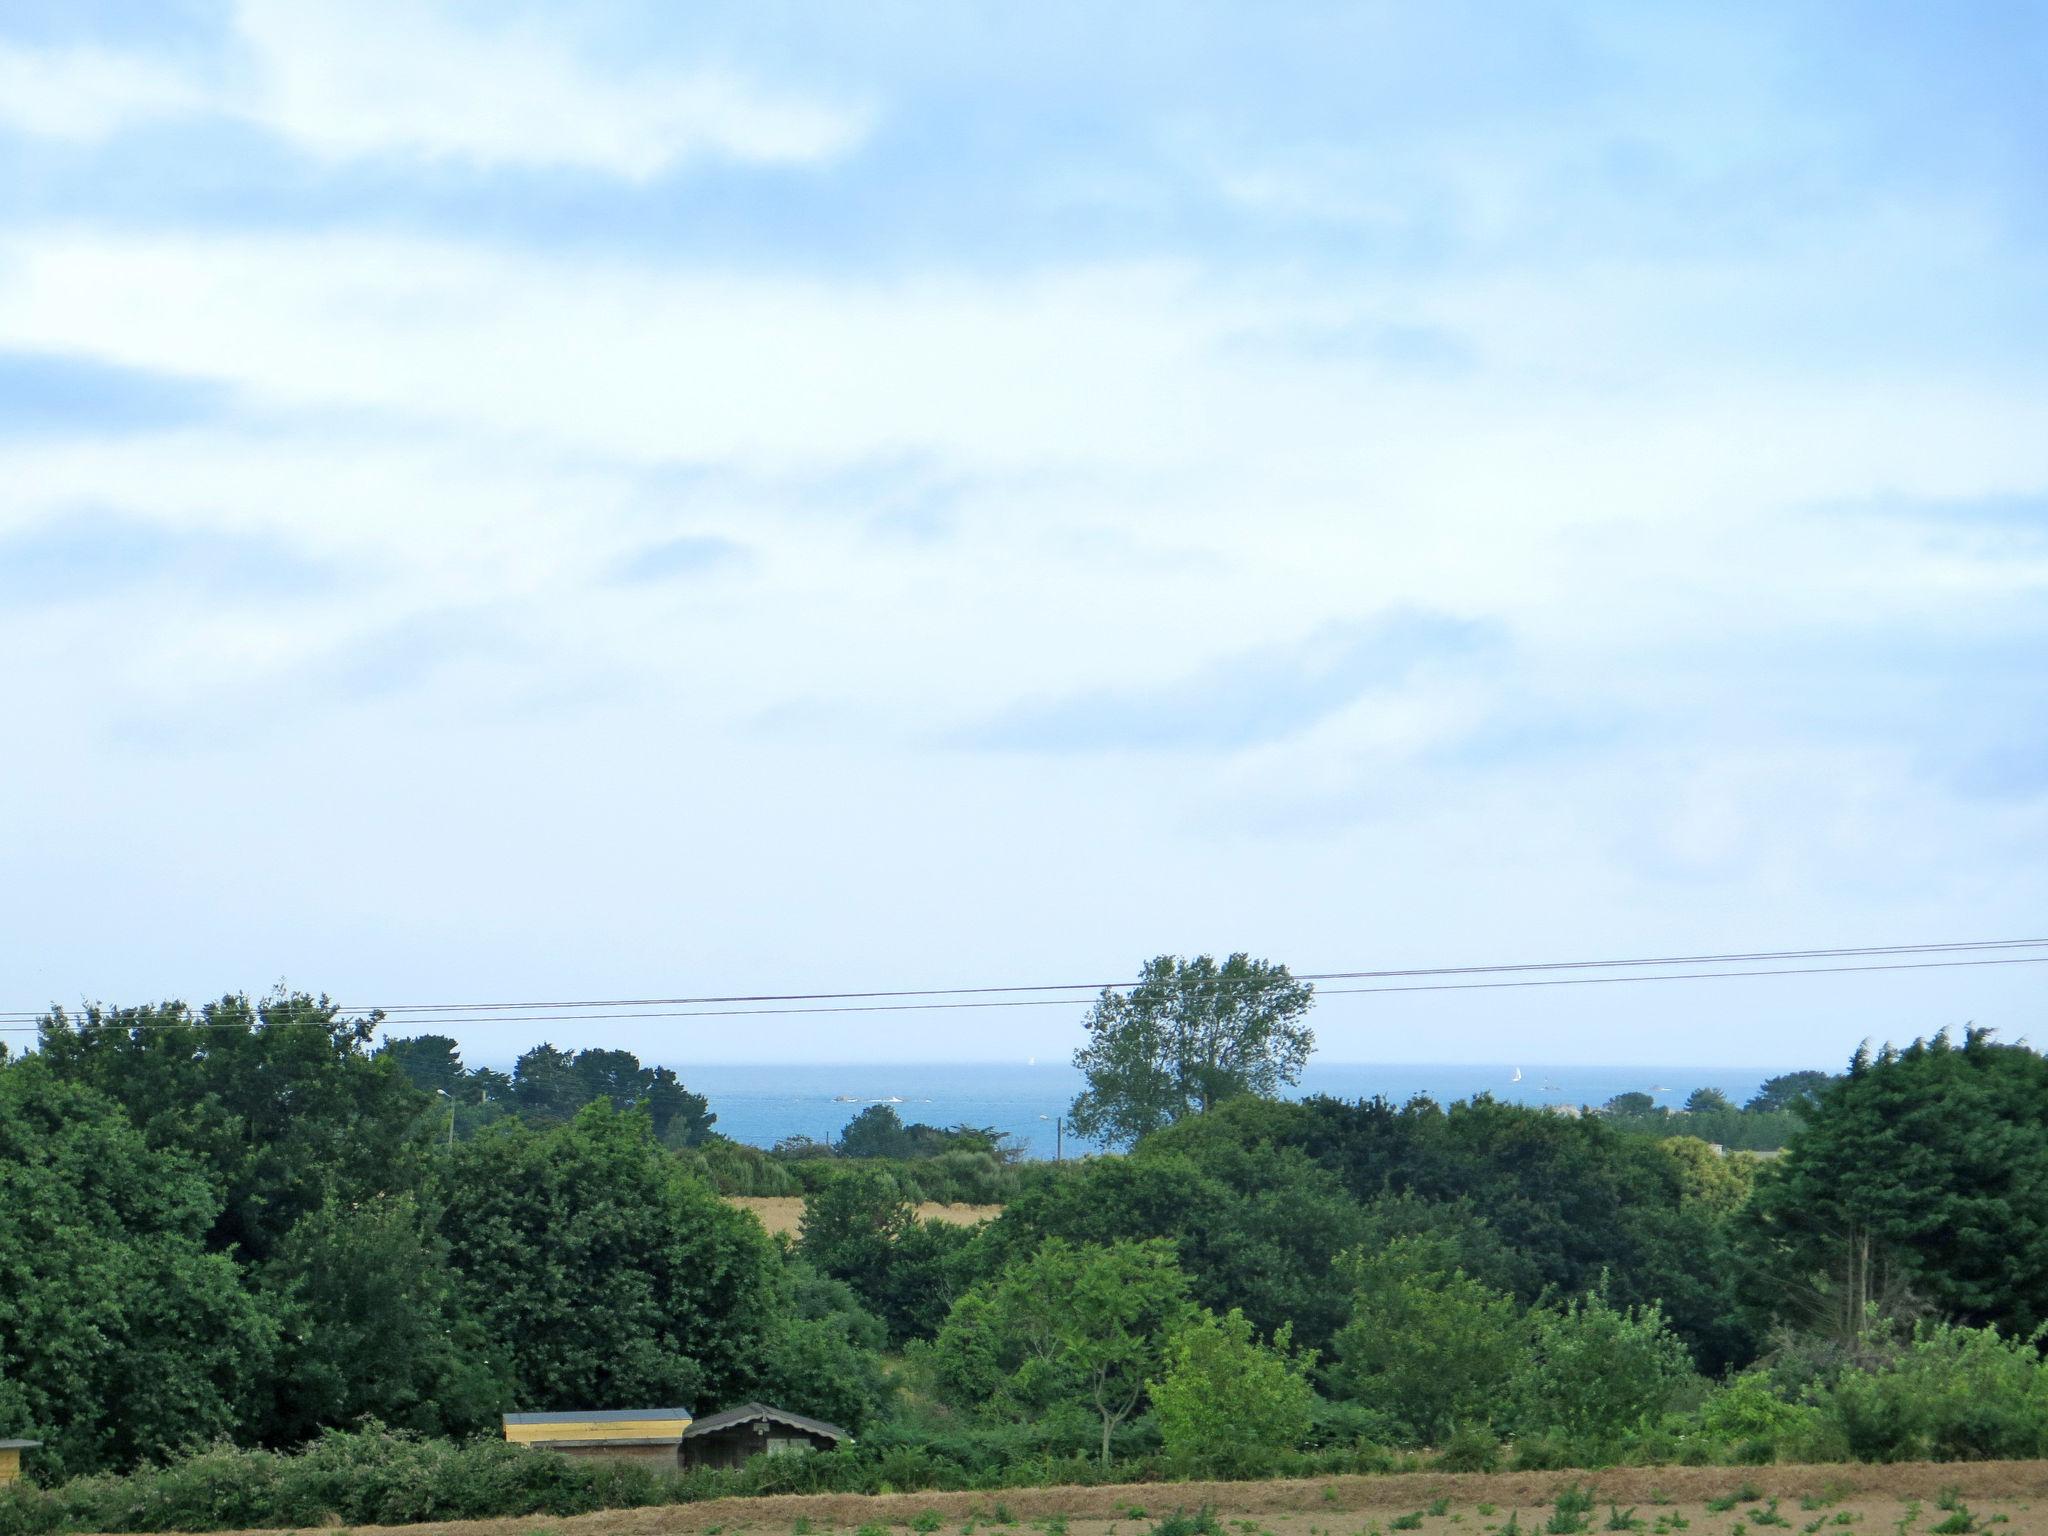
x=1954, y=1394
x=1471, y=1448
x=371, y=1477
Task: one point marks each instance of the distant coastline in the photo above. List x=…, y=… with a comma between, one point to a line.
x=760, y=1103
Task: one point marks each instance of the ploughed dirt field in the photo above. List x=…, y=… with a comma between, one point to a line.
x=781, y=1213
x=2007, y=1498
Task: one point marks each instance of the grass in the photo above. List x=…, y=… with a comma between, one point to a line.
x=924, y=1522
x=1202, y=1522
x=1408, y=1522
x=1768, y=1515
x=1619, y=1519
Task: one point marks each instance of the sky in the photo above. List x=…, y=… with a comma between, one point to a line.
x=510, y=501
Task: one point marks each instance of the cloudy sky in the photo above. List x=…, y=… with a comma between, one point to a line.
x=548, y=501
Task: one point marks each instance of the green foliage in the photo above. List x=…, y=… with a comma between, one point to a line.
x=1190, y=1033
x=1428, y=1349
x=1797, y=1092
x=600, y=1270
x=278, y=1102
x=1951, y=1394
x=1597, y=1371
x=121, y=1337
x=1202, y=1522
x=1257, y=1226
x=1228, y=1402
x=371, y=1327
x=1069, y=1327
x=1919, y=1173
x=368, y=1478
x=1747, y=1409
x=1571, y=1511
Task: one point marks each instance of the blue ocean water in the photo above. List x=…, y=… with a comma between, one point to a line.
x=760, y=1104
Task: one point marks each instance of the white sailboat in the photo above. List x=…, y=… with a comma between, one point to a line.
x=1517, y=1077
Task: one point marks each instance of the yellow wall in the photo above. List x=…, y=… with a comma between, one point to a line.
x=10, y=1466
x=614, y=1429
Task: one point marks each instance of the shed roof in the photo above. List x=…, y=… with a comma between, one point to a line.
x=746, y=1413
x=603, y=1416
x=19, y=1445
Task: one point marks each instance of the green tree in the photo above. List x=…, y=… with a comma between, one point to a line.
x=1922, y=1174
x=821, y=1356
x=1427, y=1347
x=546, y=1087
x=280, y=1101
x=1228, y=1403
x=1596, y=1372
x=1630, y=1105
x=602, y=1271
x=850, y=1226
x=1259, y=1232
x=681, y=1118
x=1573, y=1197
x=371, y=1327
x=1707, y=1101
x=1719, y=1182
x=1069, y=1325
x=1189, y=1034
x=876, y=1131
x=431, y=1063
x=1797, y=1092
x=121, y=1337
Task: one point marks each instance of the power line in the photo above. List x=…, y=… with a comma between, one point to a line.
x=394, y=1009
x=1068, y=1002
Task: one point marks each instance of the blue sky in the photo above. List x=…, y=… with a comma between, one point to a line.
x=543, y=500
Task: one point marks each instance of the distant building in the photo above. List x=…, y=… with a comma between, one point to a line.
x=650, y=1436
x=10, y=1457
x=754, y=1429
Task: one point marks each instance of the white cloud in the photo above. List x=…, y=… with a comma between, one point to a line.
x=373, y=77
x=370, y=78
x=85, y=94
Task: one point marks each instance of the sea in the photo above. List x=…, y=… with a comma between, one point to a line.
x=762, y=1104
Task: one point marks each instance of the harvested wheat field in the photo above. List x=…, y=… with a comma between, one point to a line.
x=781, y=1213
x=1909, y=1499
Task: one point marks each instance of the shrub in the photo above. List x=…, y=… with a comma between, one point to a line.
x=1953, y=1394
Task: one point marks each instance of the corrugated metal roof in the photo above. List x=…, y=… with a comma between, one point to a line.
x=748, y=1412
x=599, y=1416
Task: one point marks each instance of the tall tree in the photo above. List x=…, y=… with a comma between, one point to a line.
x=370, y=1327
x=1189, y=1034
x=1923, y=1174
x=431, y=1063
x=121, y=1337
x=601, y=1270
x=280, y=1101
x=681, y=1118
x=1796, y=1091
x=546, y=1087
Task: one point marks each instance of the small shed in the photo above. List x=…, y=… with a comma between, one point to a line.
x=10, y=1457
x=646, y=1435
x=755, y=1429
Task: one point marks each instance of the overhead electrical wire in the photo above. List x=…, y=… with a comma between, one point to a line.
x=477, y=1014
x=391, y=1010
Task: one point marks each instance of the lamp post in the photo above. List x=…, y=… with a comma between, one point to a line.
x=451, y=1115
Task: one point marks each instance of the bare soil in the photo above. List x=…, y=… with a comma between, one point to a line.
x=1900, y=1500
x=781, y=1213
